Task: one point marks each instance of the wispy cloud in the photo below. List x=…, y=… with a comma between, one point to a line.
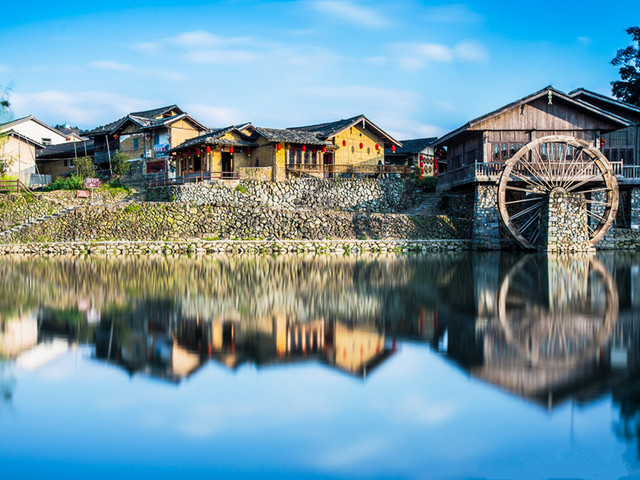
x=215, y=115
x=111, y=65
x=148, y=47
x=216, y=57
x=82, y=108
x=457, y=13
x=416, y=56
x=351, y=12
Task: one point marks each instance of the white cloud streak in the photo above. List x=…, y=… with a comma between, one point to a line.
x=111, y=65
x=351, y=12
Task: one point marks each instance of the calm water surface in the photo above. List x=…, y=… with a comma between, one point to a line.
x=455, y=366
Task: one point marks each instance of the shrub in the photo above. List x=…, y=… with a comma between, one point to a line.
x=119, y=164
x=131, y=208
x=85, y=167
x=241, y=189
x=427, y=184
x=74, y=182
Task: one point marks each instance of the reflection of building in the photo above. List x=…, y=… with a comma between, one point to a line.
x=352, y=349
x=18, y=334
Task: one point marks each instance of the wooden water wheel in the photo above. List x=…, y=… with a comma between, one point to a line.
x=559, y=163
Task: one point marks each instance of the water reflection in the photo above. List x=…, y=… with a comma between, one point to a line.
x=547, y=329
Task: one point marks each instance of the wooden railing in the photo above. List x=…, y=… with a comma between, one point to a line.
x=13, y=186
x=479, y=171
x=192, y=177
x=347, y=171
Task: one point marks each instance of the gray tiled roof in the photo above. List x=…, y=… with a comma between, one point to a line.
x=141, y=118
x=212, y=138
x=66, y=150
x=328, y=130
x=414, y=145
x=290, y=136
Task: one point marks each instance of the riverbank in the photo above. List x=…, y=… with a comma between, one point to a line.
x=216, y=247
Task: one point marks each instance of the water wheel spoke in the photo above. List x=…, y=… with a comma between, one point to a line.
x=544, y=166
x=583, y=182
x=528, y=181
x=526, y=210
x=570, y=169
x=534, y=173
x=592, y=190
x=596, y=216
x=530, y=222
x=597, y=202
x=520, y=189
x=524, y=200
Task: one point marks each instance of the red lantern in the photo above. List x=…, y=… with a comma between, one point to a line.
x=249, y=152
x=344, y=143
x=435, y=166
x=324, y=149
x=393, y=148
x=361, y=145
x=278, y=147
x=421, y=158
x=68, y=139
x=115, y=137
x=208, y=149
x=602, y=142
x=377, y=147
x=304, y=148
x=231, y=150
x=198, y=152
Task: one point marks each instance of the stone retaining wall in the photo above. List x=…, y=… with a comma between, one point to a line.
x=236, y=247
x=369, y=195
x=17, y=209
x=161, y=221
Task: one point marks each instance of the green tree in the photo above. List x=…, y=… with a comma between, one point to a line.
x=85, y=167
x=628, y=59
x=119, y=164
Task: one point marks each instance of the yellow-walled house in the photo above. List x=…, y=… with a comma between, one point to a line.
x=351, y=147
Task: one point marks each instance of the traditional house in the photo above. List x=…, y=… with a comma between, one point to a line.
x=147, y=136
x=621, y=145
x=477, y=152
x=18, y=154
x=36, y=130
x=413, y=153
x=57, y=160
x=348, y=147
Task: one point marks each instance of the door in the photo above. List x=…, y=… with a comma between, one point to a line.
x=327, y=160
x=227, y=165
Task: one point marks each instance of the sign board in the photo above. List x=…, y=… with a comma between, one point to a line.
x=161, y=148
x=82, y=194
x=92, y=182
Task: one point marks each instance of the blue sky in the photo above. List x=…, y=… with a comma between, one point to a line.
x=414, y=68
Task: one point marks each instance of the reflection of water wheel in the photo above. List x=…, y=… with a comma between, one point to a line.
x=557, y=316
x=557, y=163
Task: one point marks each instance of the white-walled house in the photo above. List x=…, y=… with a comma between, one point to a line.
x=37, y=131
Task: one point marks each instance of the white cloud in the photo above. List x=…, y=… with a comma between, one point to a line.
x=446, y=106
x=416, y=56
x=471, y=51
x=353, y=453
x=586, y=41
x=87, y=109
x=217, y=57
x=148, y=47
x=215, y=116
x=111, y=65
x=456, y=13
x=198, y=39
x=350, y=11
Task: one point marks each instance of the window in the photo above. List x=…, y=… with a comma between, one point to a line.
x=46, y=141
x=620, y=138
x=136, y=143
x=156, y=139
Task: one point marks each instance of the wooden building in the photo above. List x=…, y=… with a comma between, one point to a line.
x=477, y=151
x=621, y=145
x=147, y=136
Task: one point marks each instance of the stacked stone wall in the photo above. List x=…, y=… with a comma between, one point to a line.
x=161, y=221
x=486, y=231
x=16, y=209
x=368, y=195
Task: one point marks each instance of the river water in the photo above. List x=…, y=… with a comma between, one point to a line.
x=447, y=366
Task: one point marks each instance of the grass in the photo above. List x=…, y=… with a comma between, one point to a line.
x=131, y=208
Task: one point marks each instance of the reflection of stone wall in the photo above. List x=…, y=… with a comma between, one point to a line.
x=635, y=209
